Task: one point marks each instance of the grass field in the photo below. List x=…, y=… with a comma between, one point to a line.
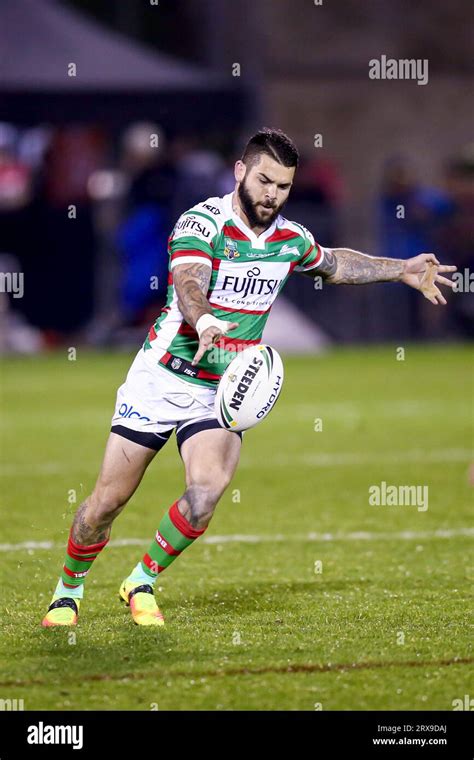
x=302, y=595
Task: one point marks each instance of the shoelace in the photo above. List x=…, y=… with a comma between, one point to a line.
x=63, y=602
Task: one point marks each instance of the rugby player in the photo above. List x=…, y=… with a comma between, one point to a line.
x=229, y=258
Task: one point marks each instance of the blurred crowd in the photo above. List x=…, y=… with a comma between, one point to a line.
x=85, y=216
x=416, y=218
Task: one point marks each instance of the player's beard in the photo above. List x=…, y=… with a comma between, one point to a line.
x=251, y=208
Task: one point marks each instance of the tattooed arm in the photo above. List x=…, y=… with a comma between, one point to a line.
x=342, y=266
x=191, y=282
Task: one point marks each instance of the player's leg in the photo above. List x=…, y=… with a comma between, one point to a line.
x=210, y=459
x=123, y=467
x=210, y=456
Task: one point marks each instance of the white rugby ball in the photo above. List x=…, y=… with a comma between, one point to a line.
x=249, y=388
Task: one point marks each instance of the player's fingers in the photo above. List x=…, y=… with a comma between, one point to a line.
x=447, y=268
x=430, y=257
x=197, y=356
x=206, y=342
x=232, y=325
x=440, y=297
x=445, y=281
x=430, y=297
x=202, y=348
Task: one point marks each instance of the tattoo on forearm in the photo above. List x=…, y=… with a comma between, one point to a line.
x=354, y=268
x=192, y=283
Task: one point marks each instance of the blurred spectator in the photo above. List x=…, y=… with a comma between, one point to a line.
x=315, y=198
x=15, y=195
x=61, y=251
x=457, y=231
x=143, y=233
x=456, y=235
x=15, y=192
x=33, y=144
x=15, y=182
x=409, y=213
x=199, y=173
x=410, y=216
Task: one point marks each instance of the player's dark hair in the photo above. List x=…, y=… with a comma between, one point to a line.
x=275, y=144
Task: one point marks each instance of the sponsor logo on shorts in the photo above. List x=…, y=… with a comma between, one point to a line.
x=129, y=412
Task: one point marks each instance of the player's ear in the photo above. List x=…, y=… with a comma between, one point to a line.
x=239, y=170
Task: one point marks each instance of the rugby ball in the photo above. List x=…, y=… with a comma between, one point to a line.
x=249, y=388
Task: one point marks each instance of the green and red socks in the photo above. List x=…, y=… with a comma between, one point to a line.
x=78, y=562
x=174, y=534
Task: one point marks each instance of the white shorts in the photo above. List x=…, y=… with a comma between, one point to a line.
x=152, y=402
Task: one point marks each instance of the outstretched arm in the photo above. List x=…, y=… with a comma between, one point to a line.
x=342, y=266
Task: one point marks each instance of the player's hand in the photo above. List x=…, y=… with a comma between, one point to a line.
x=211, y=335
x=422, y=272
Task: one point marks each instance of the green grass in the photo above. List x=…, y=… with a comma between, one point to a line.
x=252, y=625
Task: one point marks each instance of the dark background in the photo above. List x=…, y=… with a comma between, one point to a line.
x=169, y=69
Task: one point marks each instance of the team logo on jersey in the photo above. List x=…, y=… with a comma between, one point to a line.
x=176, y=363
x=289, y=249
x=230, y=250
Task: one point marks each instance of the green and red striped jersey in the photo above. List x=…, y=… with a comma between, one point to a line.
x=247, y=274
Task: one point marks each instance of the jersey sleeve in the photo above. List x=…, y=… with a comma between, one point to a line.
x=192, y=239
x=313, y=254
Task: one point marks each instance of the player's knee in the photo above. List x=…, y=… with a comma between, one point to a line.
x=105, y=503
